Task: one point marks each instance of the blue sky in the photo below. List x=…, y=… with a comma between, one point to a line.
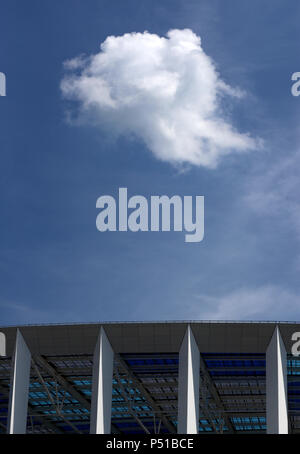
x=54, y=264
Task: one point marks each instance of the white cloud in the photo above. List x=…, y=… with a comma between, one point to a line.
x=165, y=91
x=268, y=302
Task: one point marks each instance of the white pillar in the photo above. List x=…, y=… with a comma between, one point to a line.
x=188, y=386
x=102, y=386
x=18, y=399
x=276, y=386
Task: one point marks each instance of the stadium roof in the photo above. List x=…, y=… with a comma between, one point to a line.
x=145, y=375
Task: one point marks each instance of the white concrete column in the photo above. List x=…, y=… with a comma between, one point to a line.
x=103, y=363
x=188, y=386
x=276, y=386
x=18, y=399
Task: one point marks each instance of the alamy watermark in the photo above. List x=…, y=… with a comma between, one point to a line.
x=2, y=84
x=2, y=344
x=296, y=346
x=296, y=85
x=160, y=213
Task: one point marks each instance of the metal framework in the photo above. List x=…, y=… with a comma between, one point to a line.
x=146, y=388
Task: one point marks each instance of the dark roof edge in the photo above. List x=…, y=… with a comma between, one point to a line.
x=149, y=322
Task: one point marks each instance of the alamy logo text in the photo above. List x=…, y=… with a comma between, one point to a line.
x=160, y=213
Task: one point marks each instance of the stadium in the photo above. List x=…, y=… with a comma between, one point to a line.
x=150, y=378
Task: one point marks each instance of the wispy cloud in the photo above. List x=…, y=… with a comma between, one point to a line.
x=268, y=302
x=274, y=193
x=24, y=314
x=164, y=90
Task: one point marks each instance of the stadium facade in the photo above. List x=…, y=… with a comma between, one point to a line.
x=152, y=378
